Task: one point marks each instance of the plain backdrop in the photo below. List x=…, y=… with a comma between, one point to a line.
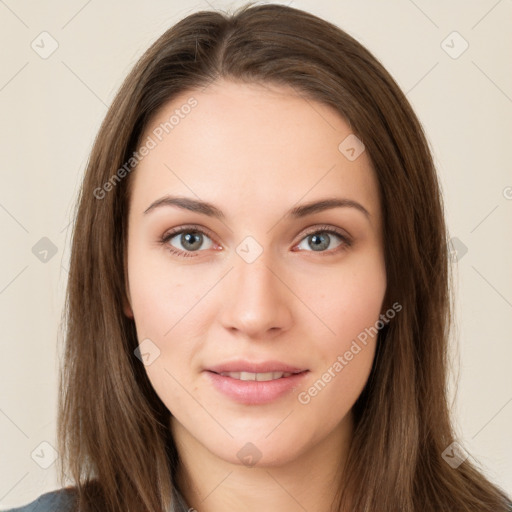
x=452, y=59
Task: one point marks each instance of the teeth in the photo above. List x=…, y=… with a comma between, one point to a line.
x=256, y=376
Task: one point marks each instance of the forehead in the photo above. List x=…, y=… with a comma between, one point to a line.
x=246, y=146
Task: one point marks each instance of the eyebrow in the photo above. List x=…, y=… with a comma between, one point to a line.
x=210, y=210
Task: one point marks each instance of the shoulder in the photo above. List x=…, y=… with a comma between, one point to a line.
x=61, y=500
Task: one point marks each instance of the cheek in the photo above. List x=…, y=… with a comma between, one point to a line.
x=168, y=312
x=164, y=313
x=161, y=296
x=334, y=390
x=348, y=300
x=350, y=305
x=345, y=358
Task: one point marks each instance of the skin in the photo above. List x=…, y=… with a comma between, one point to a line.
x=255, y=152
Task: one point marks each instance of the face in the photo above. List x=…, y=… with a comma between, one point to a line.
x=256, y=284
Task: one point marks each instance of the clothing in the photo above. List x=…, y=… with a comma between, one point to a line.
x=63, y=500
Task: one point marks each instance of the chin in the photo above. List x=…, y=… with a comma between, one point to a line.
x=250, y=455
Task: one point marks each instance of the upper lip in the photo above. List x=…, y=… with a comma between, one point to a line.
x=253, y=367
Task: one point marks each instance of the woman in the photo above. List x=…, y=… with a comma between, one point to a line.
x=258, y=305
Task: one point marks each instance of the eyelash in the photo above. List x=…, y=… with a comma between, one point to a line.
x=346, y=241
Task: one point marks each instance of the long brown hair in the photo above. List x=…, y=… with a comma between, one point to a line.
x=113, y=429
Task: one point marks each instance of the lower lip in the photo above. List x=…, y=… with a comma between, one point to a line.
x=251, y=392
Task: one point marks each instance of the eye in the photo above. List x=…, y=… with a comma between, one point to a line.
x=188, y=241
x=321, y=237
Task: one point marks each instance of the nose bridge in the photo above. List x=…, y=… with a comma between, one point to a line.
x=257, y=300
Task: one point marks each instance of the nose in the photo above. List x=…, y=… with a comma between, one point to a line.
x=257, y=304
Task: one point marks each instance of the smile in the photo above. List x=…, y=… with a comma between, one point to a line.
x=260, y=377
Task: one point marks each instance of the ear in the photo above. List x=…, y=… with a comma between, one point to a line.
x=127, y=308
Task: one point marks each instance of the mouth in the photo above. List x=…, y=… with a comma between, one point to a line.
x=253, y=384
x=260, y=377
x=246, y=369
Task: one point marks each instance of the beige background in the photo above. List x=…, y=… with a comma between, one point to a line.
x=52, y=108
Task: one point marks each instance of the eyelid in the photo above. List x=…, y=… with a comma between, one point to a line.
x=188, y=227
x=326, y=227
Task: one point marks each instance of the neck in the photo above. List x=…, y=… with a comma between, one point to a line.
x=308, y=482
